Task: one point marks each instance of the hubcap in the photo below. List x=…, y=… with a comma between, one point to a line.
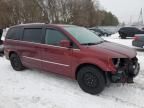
x=90, y=80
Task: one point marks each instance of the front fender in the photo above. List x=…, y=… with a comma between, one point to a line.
x=105, y=66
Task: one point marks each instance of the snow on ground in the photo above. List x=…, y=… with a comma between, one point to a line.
x=37, y=89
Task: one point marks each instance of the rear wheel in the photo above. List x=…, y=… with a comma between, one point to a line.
x=91, y=79
x=16, y=62
x=123, y=36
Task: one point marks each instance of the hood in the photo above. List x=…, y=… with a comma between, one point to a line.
x=114, y=50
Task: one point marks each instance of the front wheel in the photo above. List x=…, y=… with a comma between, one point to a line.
x=16, y=62
x=91, y=80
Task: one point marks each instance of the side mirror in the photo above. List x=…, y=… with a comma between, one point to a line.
x=65, y=43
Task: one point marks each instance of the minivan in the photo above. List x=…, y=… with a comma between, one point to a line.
x=72, y=51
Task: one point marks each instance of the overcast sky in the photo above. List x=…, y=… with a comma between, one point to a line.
x=124, y=9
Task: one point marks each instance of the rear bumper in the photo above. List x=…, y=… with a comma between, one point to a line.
x=6, y=55
x=1, y=49
x=137, y=43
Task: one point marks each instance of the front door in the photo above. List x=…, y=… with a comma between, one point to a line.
x=56, y=58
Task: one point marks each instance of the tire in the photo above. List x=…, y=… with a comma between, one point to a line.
x=91, y=80
x=107, y=34
x=123, y=36
x=16, y=62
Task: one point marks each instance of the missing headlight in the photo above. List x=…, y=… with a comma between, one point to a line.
x=127, y=68
x=116, y=61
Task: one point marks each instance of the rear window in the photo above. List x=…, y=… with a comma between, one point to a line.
x=32, y=35
x=14, y=33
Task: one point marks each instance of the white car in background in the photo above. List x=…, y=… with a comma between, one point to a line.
x=2, y=38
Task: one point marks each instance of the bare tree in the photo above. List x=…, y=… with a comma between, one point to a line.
x=79, y=12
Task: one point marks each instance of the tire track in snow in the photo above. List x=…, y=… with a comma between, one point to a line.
x=126, y=100
x=116, y=99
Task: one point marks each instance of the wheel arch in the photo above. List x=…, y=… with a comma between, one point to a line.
x=11, y=52
x=88, y=64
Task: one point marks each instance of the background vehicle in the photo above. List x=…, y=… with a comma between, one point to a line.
x=1, y=43
x=72, y=51
x=1, y=48
x=2, y=39
x=138, y=40
x=100, y=32
x=97, y=33
x=129, y=32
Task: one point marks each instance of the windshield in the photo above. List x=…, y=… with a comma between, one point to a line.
x=83, y=35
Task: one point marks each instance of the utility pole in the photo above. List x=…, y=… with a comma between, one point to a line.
x=140, y=20
x=130, y=20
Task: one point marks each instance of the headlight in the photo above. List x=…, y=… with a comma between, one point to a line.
x=120, y=62
x=116, y=61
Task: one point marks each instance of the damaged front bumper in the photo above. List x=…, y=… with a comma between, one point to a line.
x=127, y=69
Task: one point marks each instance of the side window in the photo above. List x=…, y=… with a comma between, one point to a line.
x=53, y=37
x=32, y=35
x=14, y=33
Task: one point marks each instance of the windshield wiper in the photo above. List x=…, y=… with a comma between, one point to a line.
x=100, y=42
x=92, y=43
x=88, y=44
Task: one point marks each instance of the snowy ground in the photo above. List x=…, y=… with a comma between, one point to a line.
x=36, y=89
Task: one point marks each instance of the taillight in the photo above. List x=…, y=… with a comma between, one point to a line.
x=136, y=38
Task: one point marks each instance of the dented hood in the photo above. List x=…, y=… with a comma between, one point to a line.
x=113, y=50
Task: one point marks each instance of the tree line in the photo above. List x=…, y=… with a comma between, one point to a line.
x=80, y=12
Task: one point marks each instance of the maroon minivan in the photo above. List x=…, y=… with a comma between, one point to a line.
x=72, y=51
